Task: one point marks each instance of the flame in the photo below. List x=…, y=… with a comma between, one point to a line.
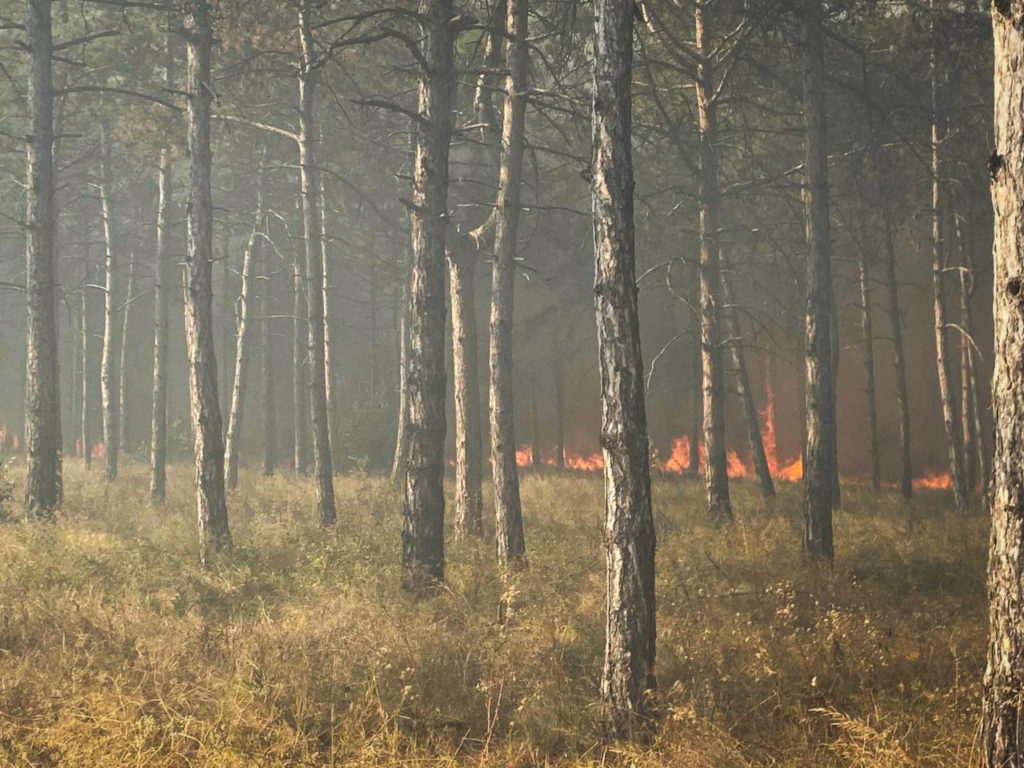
x=793, y=472
x=679, y=460
x=934, y=481
x=524, y=456
x=99, y=450
x=591, y=463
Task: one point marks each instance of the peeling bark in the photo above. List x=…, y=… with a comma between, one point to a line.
x=628, y=672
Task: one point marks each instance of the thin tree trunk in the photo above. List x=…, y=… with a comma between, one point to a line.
x=76, y=377
x=868, y=347
x=837, y=491
x=165, y=277
x=401, y=439
x=309, y=174
x=161, y=328
x=227, y=344
x=628, y=672
x=85, y=427
x=300, y=359
x=559, y=376
x=819, y=459
x=968, y=396
x=329, y=373
x=108, y=390
x=535, y=457
x=243, y=334
x=949, y=416
x=423, y=520
x=462, y=258
x=468, y=442
x=746, y=393
x=898, y=360
x=696, y=384
x=1003, y=696
x=44, y=485
x=716, y=477
x=124, y=436
x=207, y=429
x=507, y=506
x=267, y=361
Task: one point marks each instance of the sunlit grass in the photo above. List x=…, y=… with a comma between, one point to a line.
x=299, y=648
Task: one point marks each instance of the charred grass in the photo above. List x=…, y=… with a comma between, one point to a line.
x=299, y=649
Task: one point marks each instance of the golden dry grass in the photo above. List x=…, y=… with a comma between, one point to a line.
x=299, y=649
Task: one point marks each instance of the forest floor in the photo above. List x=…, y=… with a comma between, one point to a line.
x=299, y=649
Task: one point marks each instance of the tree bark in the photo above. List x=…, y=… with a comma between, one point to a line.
x=949, y=416
x=898, y=360
x=716, y=477
x=165, y=278
x=108, y=389
x=819, y=459
x=85, y=427
x=462, y=259
x=165, y=270
x=207, y=429
x=469, y=501
x=974, y=462
x=243, y=334
x=401, y=433
x=329, y=383
x=559, y=376
x=629, y=522
x=746, y=393
x=300, y=377
x=267, y=361
x=423, y=520
x=309, y=176
x=508, y=510
x=44, y=485
x=124, y=436
x=868, y=348
x=535, y=456
x=1003, y=696
x=696, y=383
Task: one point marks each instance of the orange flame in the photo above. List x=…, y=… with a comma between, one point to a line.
x=99, y=450
x=934, y=481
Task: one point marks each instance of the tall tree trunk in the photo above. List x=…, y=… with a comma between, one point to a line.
x=535, y=457
x=309, y=174
x=559, y=376
x=227, y=344
x=949, y=416
x=696, y=381
x=44, y=485
x=819, y=458
x=868, y=347
x=108, y=389
x=898, y=360
x=300, y=377
x=716, y=477
x=462, y=258
x=837, y=492
x=165, y=278
x=746, y=393
x=468, y=442
x=243, y=334
x=124, y=436
x=423, y=521
x=973, y=461
x=267, y=361
x=78, y=371
x=629, y=521
x=161, y=327
x=508, y=510
x=85, y=427
x=207, y=429
x=401, y=433
x=1003, y=696
x=329, y=373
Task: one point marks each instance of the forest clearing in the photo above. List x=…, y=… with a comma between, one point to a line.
x=118, y=649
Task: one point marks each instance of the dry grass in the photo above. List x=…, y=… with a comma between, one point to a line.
x=300, y=650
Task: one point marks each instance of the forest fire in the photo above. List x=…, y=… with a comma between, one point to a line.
x=934, y=481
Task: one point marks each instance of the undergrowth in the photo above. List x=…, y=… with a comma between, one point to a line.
x=299, y=648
